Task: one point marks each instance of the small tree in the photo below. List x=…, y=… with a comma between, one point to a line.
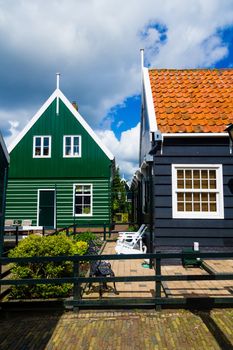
x=119, y=195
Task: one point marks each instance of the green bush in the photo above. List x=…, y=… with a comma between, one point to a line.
x=133, y=228
x=87, y=237
x=44, y=246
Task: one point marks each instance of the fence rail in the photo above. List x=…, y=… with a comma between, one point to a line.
x=156, y=301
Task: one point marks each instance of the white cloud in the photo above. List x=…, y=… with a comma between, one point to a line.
x=95, y=45
x=126, y=150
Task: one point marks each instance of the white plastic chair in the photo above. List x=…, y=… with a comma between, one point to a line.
x=134, y=247
x=131, y=244
x=129, y=236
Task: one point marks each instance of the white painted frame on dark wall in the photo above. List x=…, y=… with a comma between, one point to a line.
x=219, y=213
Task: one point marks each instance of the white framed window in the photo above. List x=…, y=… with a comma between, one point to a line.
x=41, y=146
x=197, y=191
x=72, y=146
x=82, y=200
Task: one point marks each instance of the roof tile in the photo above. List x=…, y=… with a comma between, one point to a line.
x=192, y=100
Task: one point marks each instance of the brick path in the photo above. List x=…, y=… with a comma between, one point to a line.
x=119, y=330
x=171, y=289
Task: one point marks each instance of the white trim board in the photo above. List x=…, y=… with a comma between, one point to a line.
x=58, y=94
x=149, y=100
x=4, y=148
x=219, y=213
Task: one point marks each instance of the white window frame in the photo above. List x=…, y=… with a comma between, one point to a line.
x=72, y=155
x=91, y=202
x=42, y=146
x=219, y=213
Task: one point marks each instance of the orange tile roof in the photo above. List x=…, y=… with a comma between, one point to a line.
x=192, y=100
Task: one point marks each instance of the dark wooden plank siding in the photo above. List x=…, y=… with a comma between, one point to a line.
x=183, y=232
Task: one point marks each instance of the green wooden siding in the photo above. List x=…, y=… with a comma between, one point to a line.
x=22, y=197
x=93, y=163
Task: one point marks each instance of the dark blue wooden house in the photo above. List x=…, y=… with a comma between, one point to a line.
x=4, y=162
x=184, y=186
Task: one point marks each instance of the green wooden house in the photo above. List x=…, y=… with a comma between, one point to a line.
x=60, y=171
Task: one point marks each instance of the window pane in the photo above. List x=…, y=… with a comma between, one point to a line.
x=188, y=183
x=188, y=207
x=76, y=141
x=197, y=184
x=204, y=206
x=180, y=184
x=204, y=184
x=78, y=200
x=78, y=209
x=38, y=141
x=196, y=197
x=86, y=210
x=196, y=174
x=213, y=197
x=68, y=141
x=188, y=174
x=204, y=197
x=68, y=151
x=212, y=174
x=188, y=197
x=46, y=141
x=180, y=196
x=180, y=207
x=87, y=200
x=213, y=207
x=204, y=174
x=38, y=151
x=180, y=174
x=46, y=151
x=197, y=207
x=87, y=189
x=212, y=184
x=79, y=189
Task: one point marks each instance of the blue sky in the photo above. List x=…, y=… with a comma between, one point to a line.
x=96, y=48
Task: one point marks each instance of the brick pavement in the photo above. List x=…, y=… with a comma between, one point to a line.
x=171, y=289
x=119, y=330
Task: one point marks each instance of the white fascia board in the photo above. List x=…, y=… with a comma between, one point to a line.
x=4, y=148
x=149, y=101
x=58, y=94
x=203, y=134
x=32, y=121
x=85, y=125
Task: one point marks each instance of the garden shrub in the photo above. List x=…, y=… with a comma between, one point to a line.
x=87, y=236
x=133, y=228
x=44, y=246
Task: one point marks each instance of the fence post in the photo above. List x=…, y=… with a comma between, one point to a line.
x=158, y=283
x=76, y=271
x=43, y=231
x=74, y=231
x=67, y=231
x=104, y=231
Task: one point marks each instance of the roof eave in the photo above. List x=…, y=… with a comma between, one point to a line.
x=204, y=134
x=149, y=101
